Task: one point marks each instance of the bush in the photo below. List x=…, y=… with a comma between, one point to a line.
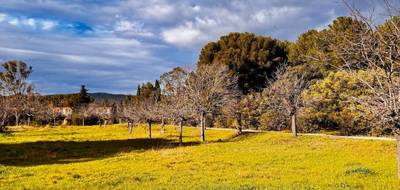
x=273, y=121
x=331, y=104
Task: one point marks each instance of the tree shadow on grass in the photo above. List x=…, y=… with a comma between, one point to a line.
x=244, y=135
x=61, y=152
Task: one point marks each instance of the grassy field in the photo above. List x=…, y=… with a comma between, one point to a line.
x=110, y=158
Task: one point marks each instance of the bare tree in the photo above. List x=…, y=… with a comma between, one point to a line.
x=147, y=112
x=128, y=112
x=51, y=112
x=284, y=94
x=175, y=96
x=104, y=112
x=208, y=90
x=377, y=49
x=14, y=85
x=86, y=110
x=5, y=112
x=33, y=106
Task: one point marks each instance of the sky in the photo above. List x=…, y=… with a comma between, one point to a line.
x=114, y=45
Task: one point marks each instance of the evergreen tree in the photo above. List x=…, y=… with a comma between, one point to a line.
x=157, y=90
x=138, y=90
x=253, y=59
x=83, y=96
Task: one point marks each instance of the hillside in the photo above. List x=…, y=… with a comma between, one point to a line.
x=100, y=96
x=109, y=158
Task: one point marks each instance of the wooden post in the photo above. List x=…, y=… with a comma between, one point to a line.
x=294, y=129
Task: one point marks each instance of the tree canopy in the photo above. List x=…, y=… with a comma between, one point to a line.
x=251, y=58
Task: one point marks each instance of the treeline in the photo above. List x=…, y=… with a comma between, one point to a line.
x=343, y=78
x=71, y=100
x=21, y=104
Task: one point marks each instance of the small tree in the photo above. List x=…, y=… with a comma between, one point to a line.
x=147, y=112
x=127, y=111
x=376, y=48
x=141, y=109
x=14, y=85
x=175, y=95
x=51, y=112
x=284, y=95
x=5, y=112
x=208, y=90
x=86, y=110
x=33, y=106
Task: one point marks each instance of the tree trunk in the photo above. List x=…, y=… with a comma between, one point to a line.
x=205, y=123
x=162, y=130
x=202, y=127
x=54, y=122
x=294, y=128
x=105, y=122
x=149, y=122
x=29, y=121
x=83, y=121
x=180, y=132
x=239, y=121
x=17, y=119
x=130, y=128
x=398, y=156
x=3, y=127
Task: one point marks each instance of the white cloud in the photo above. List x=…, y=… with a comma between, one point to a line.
x=128, y=28
x=29, y=22
x=2, y=17
x=209, y=22
x=182, y=35
x=275, y=14
x=14, y=21
x=48, y=24
x=160, y=11
x=191, y=33
x=32, y=23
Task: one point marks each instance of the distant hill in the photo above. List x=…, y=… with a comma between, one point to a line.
x=100, y=96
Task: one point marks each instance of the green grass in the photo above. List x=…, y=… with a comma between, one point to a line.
x=110, y=158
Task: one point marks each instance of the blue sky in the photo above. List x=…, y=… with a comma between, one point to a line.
x=114, y=45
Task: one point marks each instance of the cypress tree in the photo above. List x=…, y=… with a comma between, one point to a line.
x=138, y=90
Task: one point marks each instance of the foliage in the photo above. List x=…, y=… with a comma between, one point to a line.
x=317, y=52
x=251, y=58
x=332, y=104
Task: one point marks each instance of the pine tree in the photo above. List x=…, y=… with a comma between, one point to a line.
x=157, y=90
x=83, y=96
x=138, y=90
